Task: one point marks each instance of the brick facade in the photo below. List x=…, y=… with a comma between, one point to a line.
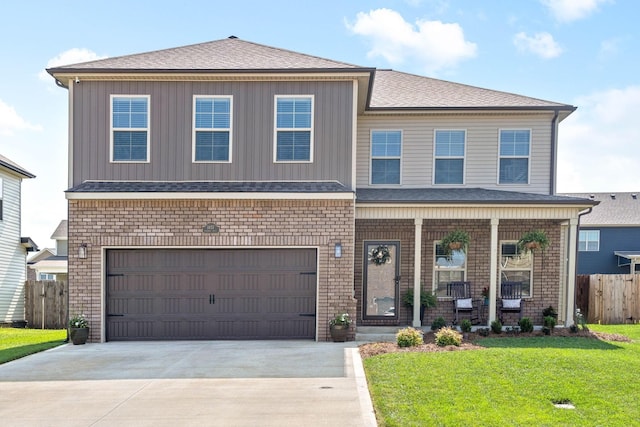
x=242, y=223
x=546, y=270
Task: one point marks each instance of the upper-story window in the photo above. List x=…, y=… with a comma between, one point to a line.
x=514, y=156
x=386, y=153
x=130, y=128
x=449, y=156
x=294, y=128
x=589, y=240
x=212, y=120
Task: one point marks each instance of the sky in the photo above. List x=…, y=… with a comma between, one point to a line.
x=578, y=52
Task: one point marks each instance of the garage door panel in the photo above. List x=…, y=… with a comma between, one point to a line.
x=211, y=294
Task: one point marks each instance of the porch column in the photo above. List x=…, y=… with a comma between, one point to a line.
x=417, y=269
x=493, y=269
x=571, y=277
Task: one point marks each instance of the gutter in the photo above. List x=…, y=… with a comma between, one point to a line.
x=554, y=147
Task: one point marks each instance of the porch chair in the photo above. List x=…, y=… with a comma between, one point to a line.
x=460, y=292
x=511, y=299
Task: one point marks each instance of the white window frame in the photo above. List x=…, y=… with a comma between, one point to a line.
x=443, y=268
x=514, y=267
x=500, y=157
x=147, y=129
x=463, y=157
x=213, y=129
x=586, y=240
x=372, y=157
x=276, y=129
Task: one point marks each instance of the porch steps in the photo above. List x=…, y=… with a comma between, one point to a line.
x=377, y=333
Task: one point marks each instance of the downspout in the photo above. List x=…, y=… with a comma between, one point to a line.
x=554, y=144
x=575, y=272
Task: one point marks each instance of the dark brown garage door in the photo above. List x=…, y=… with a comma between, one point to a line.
x=193, y=294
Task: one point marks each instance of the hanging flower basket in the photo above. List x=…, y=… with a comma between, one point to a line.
x=380, y=255
x=456, y=240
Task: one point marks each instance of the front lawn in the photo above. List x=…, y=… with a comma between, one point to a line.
x=514, y=381
x=16, y=342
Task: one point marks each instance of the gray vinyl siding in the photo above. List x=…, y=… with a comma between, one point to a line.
x=481, y=159
x=12, y=255
x=171, y=122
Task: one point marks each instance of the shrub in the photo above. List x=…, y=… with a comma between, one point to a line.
x=549, y=322
x=484, y=332
x=448, y=336
x=409, y=337
x=439, y=323
x=549, y=311
x=465, y=326
x=573, y=329
x=526, y=325
x=496, y=326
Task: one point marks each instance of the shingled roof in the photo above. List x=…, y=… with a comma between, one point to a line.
x=462, y=196
x=615, y=209
x=393, y=89
x=388, y=89
x=231, y=54
x=14, y=167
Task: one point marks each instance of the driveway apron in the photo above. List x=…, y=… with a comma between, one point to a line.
x=184, y=383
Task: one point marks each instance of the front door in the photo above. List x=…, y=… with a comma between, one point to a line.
x=381, y=279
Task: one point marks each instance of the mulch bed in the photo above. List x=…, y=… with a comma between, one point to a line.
x=374, y=349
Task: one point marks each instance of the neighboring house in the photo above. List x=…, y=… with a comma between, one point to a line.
x=609, y=240
x=231, y=190
x=51, y=264
x=13, y=247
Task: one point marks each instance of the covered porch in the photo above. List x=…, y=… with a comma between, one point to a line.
x=410, y=223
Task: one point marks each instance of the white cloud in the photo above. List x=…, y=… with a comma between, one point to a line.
x=541, y=44
x=572, y=10
x=68, y=57
x=598, y=144
x=11, y=121
x=434, y=44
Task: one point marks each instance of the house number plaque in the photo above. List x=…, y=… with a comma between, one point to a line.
x=211, y=228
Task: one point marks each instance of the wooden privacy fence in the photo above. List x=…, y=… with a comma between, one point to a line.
x=612, y=298
x=45, y=304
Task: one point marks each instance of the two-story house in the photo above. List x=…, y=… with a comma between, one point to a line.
x=51, y=263
x=13, y=247
x=609, y=235
x=231, y=190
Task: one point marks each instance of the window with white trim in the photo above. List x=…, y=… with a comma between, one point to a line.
x=449, y=156
x=514, y=156
x=447, y=269
x=589, y=240
x=294, y=128
x=386, y=154
x=130, y=128
x=46, y=276
x=516, y=266
x=212, y=119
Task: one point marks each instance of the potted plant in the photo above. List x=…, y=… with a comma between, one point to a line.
x=339, y=327
x=427, y=300
x=456, y=240
x=549, y=322
x=78, y=329
x=532, y=240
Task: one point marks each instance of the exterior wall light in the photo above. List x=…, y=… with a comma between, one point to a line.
x=82, y=251
x=337, y=250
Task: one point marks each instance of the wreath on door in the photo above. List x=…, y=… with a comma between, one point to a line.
x=380, y=255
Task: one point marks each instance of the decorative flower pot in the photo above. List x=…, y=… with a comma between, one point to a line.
x=532, y=245
x=79, y=335
x=454, y=246
x=339, y=332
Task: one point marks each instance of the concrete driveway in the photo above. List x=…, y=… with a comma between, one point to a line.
x=185, y=383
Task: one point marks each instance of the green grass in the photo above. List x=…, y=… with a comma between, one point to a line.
x=513, y=382
x=17, y=342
